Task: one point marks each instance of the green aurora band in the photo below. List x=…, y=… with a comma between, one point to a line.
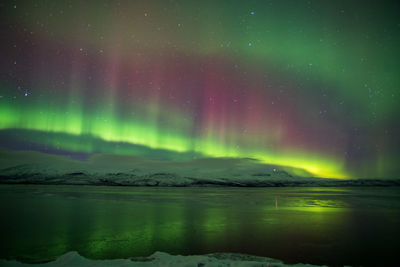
x=143, y=133
x=305, y=84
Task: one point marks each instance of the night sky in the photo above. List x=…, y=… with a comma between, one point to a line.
x=307, y=84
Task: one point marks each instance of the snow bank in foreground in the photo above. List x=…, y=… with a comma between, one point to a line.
x=164, y=259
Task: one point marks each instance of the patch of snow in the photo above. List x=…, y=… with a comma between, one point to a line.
x=166, y=260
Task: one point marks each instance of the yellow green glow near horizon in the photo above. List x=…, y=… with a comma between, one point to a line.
x=311, y=86
x=111, y=129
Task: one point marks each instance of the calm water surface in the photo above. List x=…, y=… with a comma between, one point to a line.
x=332, y=226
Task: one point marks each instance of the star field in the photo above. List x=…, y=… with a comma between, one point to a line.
x=306, y=84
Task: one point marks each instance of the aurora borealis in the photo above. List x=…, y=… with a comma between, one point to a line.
x=305, y=84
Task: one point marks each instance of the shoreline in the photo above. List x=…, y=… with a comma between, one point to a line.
x=193, y=182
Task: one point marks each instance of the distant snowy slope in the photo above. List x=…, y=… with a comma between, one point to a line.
x=107, y=169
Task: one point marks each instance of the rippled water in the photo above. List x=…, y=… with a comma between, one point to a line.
x=332, y=226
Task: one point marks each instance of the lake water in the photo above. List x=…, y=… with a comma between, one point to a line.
x=335, y=226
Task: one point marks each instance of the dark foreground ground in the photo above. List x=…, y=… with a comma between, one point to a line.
x=321, y=226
